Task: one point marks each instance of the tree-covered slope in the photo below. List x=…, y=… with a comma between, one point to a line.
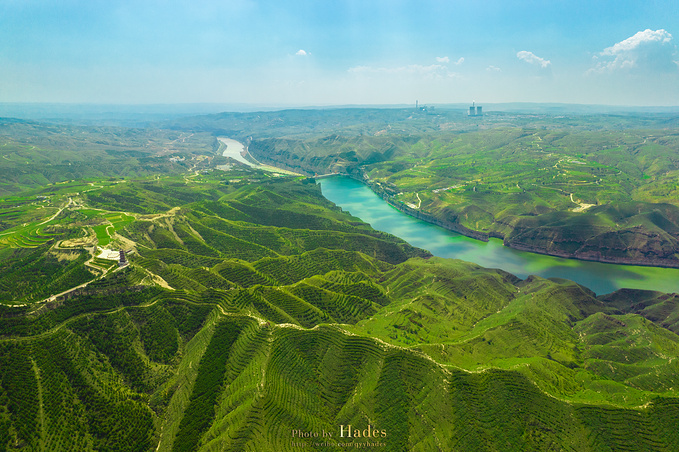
x=37, y=154
x=606, y=195
x=258, y=316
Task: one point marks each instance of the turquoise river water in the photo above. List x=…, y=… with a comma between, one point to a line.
x=360, y=201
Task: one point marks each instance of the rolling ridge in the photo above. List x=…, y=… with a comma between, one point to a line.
x=256, y=344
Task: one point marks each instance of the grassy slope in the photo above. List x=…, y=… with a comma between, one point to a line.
x=287, y=314
x=33, y=155
x=586, y=190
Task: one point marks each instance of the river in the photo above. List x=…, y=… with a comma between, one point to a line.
x=236, y=150
x=362, y=202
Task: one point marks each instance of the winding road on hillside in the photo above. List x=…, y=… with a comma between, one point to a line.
x=233, y=149
x=70, y=202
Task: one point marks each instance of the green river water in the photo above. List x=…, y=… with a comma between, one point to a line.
x=360, y=201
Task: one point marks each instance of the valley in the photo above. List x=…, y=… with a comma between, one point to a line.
x=606, y=195
x=331, y=226
x=255, y=314
x=358, y=199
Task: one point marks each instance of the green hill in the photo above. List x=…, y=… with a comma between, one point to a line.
x=605, y=194
x=258, y=316
x=38, y=154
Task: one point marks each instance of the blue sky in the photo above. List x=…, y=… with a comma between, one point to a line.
x=324, y=52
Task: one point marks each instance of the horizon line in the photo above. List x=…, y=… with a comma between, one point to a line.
x=352, y=105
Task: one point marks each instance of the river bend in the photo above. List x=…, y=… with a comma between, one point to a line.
x=362, y=202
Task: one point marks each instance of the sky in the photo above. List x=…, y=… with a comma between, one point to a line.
x=325, y=52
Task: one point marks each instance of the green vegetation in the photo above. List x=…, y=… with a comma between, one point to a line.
x=200, y=410
x=253, y=308
x=584, y=190
x=35, y=273
x=36, y=156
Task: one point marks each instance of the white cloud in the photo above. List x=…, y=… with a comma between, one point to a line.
x=301, y=52
x=531, y=58
x=639, y=39
x=446, y=60
x=431, y=71
x=647, y=50
x=493, y=69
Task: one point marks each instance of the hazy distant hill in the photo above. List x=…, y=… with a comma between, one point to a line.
x=36, y=153
x=591, y=186
x=318, y=122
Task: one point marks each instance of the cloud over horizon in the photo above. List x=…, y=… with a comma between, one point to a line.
x=430, y=71
x=647, y=50
x=446, y=60
x=531, y=58
x=380, y=52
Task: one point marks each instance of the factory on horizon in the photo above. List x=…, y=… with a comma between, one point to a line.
x=475, y=111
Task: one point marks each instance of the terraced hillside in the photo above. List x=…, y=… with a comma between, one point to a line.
x=258, y=316
x=35, y=154
x=605, y=195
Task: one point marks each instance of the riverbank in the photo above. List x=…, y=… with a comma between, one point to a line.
x=590, y=252
x=354, y=196
x=239, y=152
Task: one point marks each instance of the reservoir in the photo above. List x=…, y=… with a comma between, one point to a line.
x=360, y=201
